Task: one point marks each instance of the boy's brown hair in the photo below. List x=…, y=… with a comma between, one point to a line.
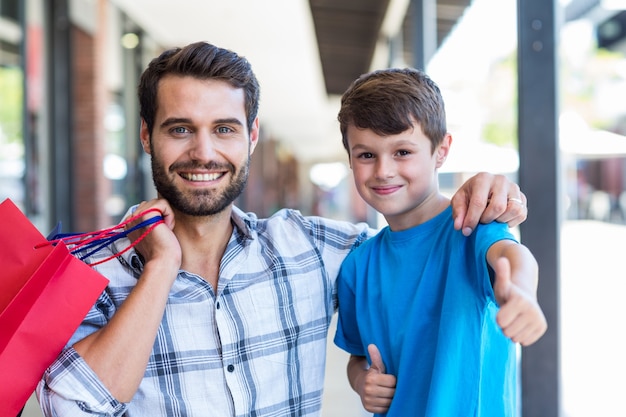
x=391, y=101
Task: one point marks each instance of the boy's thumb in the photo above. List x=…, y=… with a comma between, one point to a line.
x=502, y=286
x=377, y=360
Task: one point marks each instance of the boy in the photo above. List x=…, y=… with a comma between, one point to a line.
x=439, y=310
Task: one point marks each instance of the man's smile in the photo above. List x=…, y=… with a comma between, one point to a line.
x=189, y=176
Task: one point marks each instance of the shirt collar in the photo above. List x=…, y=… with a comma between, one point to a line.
x=244, y=224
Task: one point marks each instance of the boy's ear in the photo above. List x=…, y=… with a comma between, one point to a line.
x=443, y=149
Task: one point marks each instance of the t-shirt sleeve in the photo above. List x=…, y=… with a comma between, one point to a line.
x=485, y=236
x=347, y=335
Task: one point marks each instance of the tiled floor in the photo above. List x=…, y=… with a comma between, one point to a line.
x=339, y=399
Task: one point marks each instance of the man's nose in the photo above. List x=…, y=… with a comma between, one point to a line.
x=203, y=147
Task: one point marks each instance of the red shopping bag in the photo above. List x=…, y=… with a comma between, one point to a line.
x=45, y=293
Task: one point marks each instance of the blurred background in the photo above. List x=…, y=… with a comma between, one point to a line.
x=534, y=90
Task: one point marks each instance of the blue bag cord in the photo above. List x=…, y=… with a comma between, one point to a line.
x=98, y=244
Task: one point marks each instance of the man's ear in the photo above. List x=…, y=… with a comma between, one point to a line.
x=144, y=135
x=443, y=149
x=254, y=135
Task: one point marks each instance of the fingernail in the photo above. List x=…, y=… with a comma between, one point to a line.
x=467, y=231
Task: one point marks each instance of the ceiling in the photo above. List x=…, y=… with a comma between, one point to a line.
x=348, y=32
x=304, y=52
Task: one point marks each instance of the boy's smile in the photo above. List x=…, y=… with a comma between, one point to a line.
x=397, y=174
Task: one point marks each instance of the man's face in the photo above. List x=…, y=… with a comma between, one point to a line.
x=200, y=145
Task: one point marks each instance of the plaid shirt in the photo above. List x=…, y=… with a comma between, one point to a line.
x=256, y=348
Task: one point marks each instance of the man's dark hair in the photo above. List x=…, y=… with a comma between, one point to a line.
x=203, y=61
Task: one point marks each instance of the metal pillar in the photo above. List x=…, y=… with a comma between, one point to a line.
x=424, y=18
x=540, y=180
x=59, y=95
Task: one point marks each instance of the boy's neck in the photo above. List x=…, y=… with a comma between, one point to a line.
x=429, y=209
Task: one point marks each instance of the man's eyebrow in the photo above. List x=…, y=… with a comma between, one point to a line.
x=182, y=120
x=174, y=121
x=229, y=120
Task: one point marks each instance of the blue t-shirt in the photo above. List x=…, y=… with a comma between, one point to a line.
x=424, y=297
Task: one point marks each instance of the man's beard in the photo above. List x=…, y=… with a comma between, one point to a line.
x=199, y=202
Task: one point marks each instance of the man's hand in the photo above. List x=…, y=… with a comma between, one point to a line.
x=520, y=316
x=486, y=197
x=160, y=242
x=375, y=388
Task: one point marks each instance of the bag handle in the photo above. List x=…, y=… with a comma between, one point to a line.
x=91, y=242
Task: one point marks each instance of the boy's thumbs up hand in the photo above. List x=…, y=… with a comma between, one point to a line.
x=376, y=388
x=520, y=316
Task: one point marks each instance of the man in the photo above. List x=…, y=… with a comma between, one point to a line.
x=217, y=312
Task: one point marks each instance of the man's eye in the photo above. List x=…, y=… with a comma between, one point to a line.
x=180, y=130
x=224, y=129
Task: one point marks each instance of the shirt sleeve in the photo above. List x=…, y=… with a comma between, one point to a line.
x=335, y=239
x=488, y=234
x=484, y=237
x=70, y=388
x=347, y=335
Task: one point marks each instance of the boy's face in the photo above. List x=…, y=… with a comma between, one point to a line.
x=200, y=144
x=397, y=175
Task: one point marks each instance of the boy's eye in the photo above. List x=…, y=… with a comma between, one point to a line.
x=403, y=153
x=366, y=155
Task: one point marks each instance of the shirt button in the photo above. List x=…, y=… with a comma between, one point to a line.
x=135, y=262
x=218, y=305
x=230, y=368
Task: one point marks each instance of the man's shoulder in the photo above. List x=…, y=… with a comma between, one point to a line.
x=288, y=217
x=366, y=246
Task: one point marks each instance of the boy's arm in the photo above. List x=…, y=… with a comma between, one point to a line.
x=515, y=288
x=375, y=388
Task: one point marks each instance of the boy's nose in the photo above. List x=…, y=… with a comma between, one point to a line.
x=384, y=168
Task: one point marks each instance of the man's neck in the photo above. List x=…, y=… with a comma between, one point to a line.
x=203, y=241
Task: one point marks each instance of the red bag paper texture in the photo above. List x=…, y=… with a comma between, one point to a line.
x=45, y=293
